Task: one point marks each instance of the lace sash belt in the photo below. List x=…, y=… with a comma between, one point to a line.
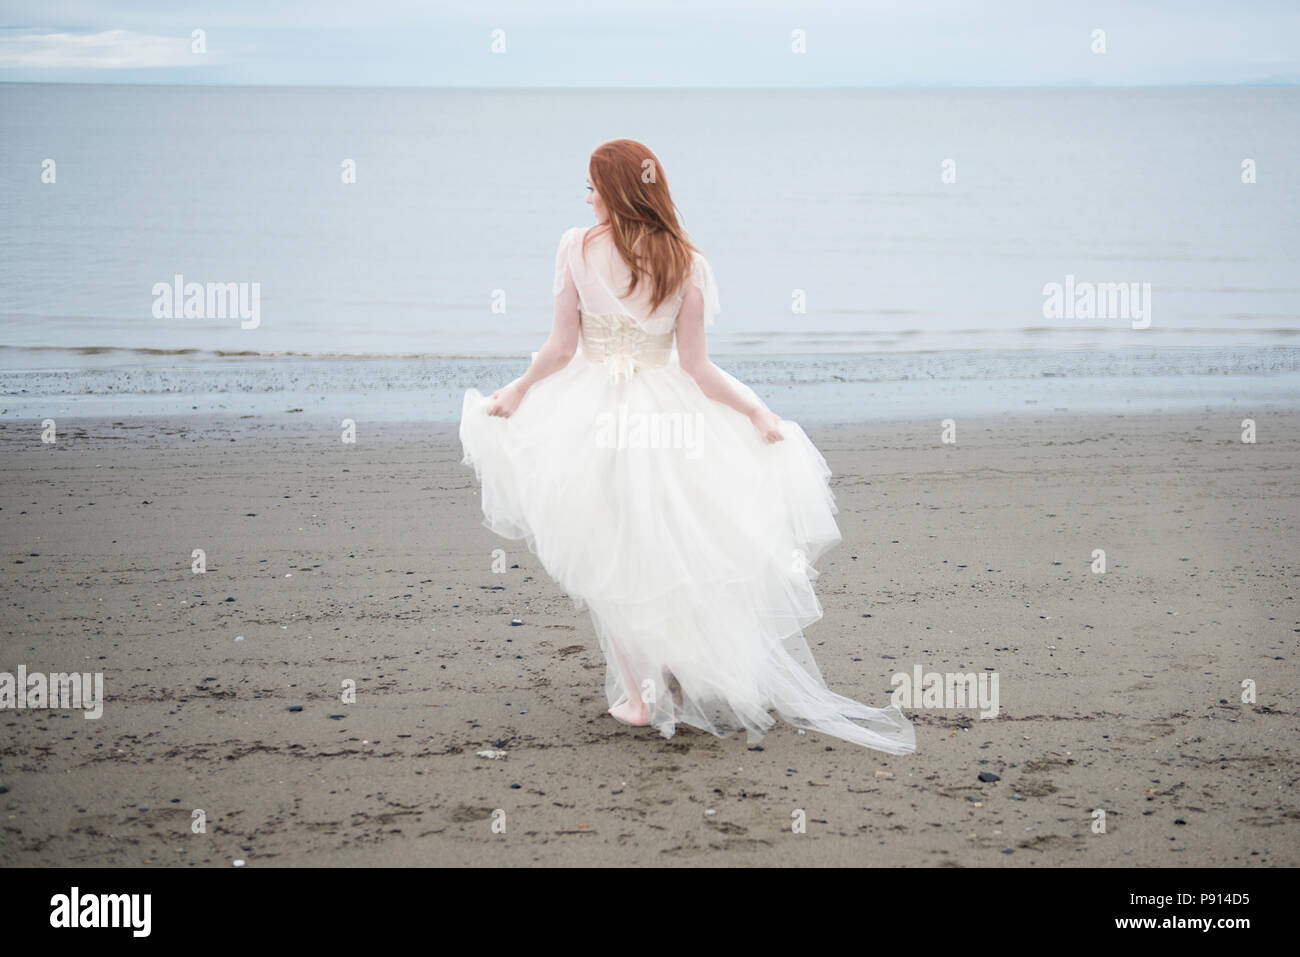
x=618, y=343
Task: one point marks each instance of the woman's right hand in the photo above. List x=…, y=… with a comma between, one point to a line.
x=768, y=424
x=505, y=400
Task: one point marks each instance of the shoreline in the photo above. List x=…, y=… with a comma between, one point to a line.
x=809, y=389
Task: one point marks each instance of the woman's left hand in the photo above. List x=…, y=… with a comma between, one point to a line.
x=768, y=425
x=506, y=400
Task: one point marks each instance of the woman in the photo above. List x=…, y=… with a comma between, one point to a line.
x=658, y=490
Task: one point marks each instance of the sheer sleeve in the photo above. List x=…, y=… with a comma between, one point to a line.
x=562, y=274
x=702, y=276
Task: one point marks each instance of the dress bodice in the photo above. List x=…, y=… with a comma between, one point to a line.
x=622, y=344
x=603, y=283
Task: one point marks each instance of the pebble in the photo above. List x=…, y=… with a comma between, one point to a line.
x=516, y=621
x=237, y=863
x=492, y=755
x=988, y=777
x=295, y=707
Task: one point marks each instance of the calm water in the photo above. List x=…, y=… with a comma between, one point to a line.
x=460, y=195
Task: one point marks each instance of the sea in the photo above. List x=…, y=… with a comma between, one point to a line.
x=879, y=253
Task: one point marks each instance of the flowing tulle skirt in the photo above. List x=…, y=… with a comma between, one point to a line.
x=689, y=539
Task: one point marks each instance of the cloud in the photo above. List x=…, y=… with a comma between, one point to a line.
x=107, y=50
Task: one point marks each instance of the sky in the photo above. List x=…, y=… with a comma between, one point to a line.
x=724, y=44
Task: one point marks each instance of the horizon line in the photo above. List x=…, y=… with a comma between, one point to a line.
x=1255, y=84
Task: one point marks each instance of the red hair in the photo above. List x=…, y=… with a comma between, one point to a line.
x=642, y=217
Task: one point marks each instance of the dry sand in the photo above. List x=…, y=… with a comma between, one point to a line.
x=1119, y=691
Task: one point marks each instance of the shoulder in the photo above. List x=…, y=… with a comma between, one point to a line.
x=701, y=270
x=702, y=278
x=572, y=239
x=700, y=274
x=574, y=234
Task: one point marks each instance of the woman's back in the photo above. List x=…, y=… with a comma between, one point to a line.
x=603, y=279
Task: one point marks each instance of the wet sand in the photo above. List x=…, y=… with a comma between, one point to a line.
x=368, y=563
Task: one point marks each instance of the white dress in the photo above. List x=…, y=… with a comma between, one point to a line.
x=688, y=537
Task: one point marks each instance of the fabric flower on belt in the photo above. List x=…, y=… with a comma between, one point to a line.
x=622, y=345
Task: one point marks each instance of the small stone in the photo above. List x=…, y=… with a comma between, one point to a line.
x=885, y=774
x=236, y=863
x=515, y=621
x=492, y=755
x=988, y=777
x=1179, y=820
x=295, y=707
x=710, y=812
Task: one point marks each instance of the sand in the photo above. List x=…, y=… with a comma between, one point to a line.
x=368, y=563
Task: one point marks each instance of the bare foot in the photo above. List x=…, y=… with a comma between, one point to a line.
x=676, y=690
x=632, y=712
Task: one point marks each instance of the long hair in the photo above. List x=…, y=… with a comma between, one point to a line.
x=642, y=217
